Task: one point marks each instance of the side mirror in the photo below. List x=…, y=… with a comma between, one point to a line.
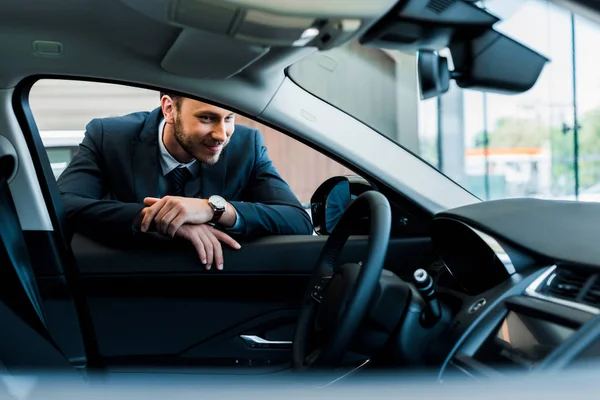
x=332, y=198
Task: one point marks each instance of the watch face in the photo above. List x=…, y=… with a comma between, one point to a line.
x=218, y=202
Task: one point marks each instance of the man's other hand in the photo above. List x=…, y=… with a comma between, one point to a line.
x=207, y=242
x=172, y=212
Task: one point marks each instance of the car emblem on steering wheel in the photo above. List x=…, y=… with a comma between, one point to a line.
x=478, y=305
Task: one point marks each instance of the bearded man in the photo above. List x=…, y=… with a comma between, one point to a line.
x=182, y=170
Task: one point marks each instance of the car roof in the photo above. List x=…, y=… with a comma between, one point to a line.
x=232, y=52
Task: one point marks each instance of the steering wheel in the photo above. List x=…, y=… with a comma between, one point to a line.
x=337, y=299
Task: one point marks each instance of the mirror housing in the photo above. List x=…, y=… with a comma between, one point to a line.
x=331, y=199
x=494, y=62
x=486, y=63
x=433, y=74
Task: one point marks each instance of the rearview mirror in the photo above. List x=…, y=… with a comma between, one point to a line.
x=483, y=58
x=433, y=74
x=332, y=198
x=486, y=63
x=496, y=63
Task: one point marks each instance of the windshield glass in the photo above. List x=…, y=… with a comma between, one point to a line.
x=542, y=143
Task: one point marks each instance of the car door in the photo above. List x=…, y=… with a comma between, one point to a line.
x=155, y=305
x=151, y=303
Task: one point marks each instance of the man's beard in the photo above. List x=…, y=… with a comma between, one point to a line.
x=194, y=147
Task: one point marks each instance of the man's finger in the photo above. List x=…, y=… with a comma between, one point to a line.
x=165, y=220
x=149, y=216
x=199, y=246
x=165, y=207
x=137, y=222
x=217, y=251
x=175, y=225
x=208, y=246
x=225, y=238
x=150, y=200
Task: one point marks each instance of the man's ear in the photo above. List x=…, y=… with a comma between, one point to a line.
x=168, y=106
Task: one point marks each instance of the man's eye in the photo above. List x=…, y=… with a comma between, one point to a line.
x=205, y=119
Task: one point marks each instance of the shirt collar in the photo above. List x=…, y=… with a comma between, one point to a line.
x=167, y=162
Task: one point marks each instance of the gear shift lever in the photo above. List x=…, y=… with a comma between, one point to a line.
x=432, y=312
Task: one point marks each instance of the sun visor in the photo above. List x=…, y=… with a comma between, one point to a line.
x=267, y=23
x=220, y=38
x=205, y=55
x=313, y=23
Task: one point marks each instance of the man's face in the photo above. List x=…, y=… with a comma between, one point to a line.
x=202, y=130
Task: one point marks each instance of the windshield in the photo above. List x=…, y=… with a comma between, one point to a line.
x=543, y=143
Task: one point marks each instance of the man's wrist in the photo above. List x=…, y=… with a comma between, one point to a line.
x=228, y=218
x=218, y=206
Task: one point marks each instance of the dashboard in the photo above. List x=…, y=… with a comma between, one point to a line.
x=521, y=310
x=518, y=331
x=515, y=289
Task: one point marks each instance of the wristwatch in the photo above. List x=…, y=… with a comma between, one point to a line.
x=219, y=206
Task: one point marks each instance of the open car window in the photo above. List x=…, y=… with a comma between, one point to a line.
x=63, y=108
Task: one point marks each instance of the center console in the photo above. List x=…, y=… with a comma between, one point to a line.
x=526, y=331
x=521, y=340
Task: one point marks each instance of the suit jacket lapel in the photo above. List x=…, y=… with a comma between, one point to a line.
x=144, y=156
x=146, y=170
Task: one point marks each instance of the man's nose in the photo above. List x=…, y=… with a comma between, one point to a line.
x=220, y=132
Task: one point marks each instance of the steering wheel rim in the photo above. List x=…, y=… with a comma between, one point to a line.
x=355, y=307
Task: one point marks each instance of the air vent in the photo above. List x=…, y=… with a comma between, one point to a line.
x=439, y=6
x=564, y=284
x=573, y=288
x=592, y=295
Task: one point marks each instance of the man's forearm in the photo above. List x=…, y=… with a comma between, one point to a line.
x=276, y=219
x=102, y=217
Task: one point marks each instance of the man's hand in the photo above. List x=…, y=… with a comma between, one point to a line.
x=207, y=241
x=171, y=212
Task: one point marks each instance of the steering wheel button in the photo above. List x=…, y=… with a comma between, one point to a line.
x=316, y=297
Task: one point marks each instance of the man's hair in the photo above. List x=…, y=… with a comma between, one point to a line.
x=176, y=98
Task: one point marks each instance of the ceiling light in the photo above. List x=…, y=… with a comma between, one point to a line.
x=308, y=35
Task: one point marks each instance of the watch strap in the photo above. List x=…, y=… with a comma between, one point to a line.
x=216, y=216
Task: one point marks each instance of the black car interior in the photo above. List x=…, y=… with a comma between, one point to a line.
x=480, y=290
x=460, y=301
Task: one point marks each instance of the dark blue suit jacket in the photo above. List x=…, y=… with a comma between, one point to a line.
x=117, y=166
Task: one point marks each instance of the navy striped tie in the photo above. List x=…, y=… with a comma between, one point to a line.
x=178, y=178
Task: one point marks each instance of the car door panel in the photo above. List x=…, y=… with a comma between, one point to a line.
x=279, y=255
x=152, y=303
x=191, y=310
